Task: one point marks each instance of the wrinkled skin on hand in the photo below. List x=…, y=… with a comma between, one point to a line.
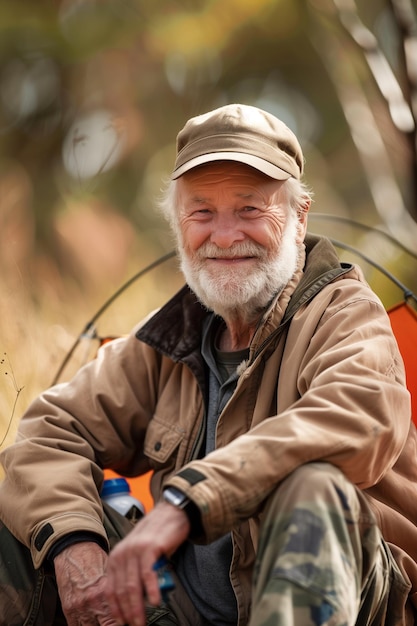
x=130, y=574
x=81, y=579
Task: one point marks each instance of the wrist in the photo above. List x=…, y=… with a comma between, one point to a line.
x=73, y=538
x=176, y=497
x=180, y=500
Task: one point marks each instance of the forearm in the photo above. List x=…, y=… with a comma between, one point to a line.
x=80, y=576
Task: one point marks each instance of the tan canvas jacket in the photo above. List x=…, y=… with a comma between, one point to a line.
x=324, y=381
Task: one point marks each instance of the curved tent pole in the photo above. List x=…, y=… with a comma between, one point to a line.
x=349, y=222
x=89, y=330
x=407, y=293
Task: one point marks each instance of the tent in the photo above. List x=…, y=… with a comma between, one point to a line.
x=404, y=324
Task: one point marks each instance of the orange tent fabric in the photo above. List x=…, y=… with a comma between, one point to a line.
x=404, y=324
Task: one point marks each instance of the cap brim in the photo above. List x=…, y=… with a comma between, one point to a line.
x=248, y=159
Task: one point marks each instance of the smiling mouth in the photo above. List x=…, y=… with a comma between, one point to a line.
x=229, y=259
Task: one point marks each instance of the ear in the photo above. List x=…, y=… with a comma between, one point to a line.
x=302, y=221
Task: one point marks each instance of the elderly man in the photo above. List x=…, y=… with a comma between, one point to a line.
x=268, y=398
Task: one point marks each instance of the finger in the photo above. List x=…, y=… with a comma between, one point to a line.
x=104, y=616
x=132, y=595
x=112, y=597
x=125, y=593
x=151, y=584
x=108, y=621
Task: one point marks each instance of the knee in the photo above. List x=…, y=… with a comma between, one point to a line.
x=315, y=475
x=316, y=505
x=315, y=486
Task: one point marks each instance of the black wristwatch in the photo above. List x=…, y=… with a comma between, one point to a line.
x=175, y=497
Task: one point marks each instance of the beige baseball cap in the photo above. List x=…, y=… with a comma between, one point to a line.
x=243, y=133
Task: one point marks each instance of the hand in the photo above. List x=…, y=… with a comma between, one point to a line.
x=80, y=576
x=130, y=574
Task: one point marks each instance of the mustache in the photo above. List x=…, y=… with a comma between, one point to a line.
x=249, y=249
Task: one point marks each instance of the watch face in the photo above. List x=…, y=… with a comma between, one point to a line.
x=175, y=497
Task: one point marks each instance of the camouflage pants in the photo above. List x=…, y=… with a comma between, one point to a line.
x=321, y=562
x=321, y=559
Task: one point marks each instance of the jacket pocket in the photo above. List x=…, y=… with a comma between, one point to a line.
x=162, y=441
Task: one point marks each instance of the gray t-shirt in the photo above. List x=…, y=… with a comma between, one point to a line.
x=204, y=569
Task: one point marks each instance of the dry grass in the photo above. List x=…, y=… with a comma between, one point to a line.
x=35, y=336
x=40, y=325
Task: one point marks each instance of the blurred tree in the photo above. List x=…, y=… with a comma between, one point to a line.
x=374, y=134
x=92, y=93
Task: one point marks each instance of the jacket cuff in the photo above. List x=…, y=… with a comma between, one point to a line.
x=71, y=539
x=50, y=532
x=194, y=517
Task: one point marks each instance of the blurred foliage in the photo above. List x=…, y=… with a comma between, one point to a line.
x=92, y=95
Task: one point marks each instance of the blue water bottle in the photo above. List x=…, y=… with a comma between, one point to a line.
x=165, y=579
x=116, y=492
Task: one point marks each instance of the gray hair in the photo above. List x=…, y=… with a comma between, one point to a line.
x=167, y=204
x=297, y=193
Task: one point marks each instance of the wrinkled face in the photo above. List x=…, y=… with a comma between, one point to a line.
x=238, y=238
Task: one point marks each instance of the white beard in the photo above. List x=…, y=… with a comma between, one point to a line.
x=239, y=291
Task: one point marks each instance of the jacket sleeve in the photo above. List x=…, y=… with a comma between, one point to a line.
x=342, y=399
x=75, y=429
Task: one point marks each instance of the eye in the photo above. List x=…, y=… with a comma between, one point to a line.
x=201, y=213
x=249, y=210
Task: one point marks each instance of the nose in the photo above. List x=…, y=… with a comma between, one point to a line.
x=226, y=230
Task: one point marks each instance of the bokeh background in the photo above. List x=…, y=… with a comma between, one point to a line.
x=92, y=95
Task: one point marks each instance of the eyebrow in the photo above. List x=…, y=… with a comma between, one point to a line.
x=245, y=196
x=202, y=199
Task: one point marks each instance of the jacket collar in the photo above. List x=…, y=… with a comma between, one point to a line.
x=322, y=266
